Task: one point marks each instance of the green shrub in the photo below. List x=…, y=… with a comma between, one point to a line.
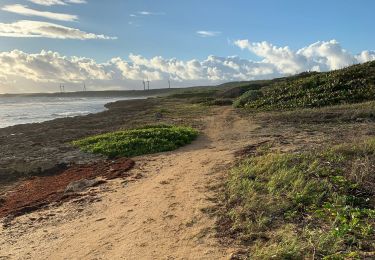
x=146, y=140
x=219, y=102
x=249, y=96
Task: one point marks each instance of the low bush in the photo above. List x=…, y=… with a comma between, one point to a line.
x=219, y=102
x=249, y=96
x=146, y=140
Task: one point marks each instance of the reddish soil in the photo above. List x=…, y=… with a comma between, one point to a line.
x=37, y=192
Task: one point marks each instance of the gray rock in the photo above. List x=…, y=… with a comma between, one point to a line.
x=81, y=185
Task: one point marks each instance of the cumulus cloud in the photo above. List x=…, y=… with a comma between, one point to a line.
x=365, y=56
x=319, y=56
x=45, y=70
x=57, y=2
x=48, y=69
x=208, y=33
x=36, y=29
x=48, y=66
x=25, y=10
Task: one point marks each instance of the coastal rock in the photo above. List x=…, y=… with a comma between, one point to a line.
x=81, y=185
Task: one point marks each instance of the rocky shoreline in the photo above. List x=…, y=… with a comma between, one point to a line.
x=42, y=148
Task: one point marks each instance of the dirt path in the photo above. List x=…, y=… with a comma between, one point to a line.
x=160, y=216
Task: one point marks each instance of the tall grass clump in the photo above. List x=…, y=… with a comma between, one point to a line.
x=312, y=205
x=139, y=141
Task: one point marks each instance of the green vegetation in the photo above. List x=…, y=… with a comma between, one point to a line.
x=221, y=95
x=145, y=140
x=219, y=102
x=311, y=205
x=236, y=89
x=194, y=93
x=307, y=90
x=348, y=113
x=249, y=96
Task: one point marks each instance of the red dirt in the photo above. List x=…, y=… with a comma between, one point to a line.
x=37, y=192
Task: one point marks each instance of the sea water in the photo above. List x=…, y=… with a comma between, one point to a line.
x=16, y=110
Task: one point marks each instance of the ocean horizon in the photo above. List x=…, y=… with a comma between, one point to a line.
x=16, y=110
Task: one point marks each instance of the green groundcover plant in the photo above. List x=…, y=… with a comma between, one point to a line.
x=350, y=85
x=139, y=141
x=310, y=205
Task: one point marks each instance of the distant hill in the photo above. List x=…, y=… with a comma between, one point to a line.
x=104, y=93
x=311, y=89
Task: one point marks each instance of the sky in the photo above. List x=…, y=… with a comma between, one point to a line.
x=116, y=44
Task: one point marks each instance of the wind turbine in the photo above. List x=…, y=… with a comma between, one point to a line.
x=62, y=88
x=148, y=84
x=169, y=82
x=144, y=84
x=84, y=86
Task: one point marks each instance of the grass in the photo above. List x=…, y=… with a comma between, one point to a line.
x=139, y=141
x=193, y=94
x=350, y=85
x=317, y=204
x=360, y=112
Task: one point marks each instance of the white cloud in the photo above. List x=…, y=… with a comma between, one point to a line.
x=319, y=56
x=208, y=33
x=140, y=15
x=48, y=2
x=76, y=1
x=35, y=29
x=145, y=13
x=57, y=2
x=50, y=66
x=365, y=56
x=25, y=10
x=150, y=13
x=45, y=70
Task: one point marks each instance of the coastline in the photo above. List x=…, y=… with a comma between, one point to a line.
x=32, y=149
x=105, y=93
x=44, y=107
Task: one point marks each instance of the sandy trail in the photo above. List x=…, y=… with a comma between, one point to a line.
x=160, y=216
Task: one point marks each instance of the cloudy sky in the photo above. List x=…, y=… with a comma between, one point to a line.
x=116, y=44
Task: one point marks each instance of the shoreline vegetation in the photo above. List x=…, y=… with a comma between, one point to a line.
x=302, y=155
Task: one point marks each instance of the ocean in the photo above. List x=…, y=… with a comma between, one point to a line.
x=15, y=110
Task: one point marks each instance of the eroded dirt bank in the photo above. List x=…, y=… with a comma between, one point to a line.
x=62, y=185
